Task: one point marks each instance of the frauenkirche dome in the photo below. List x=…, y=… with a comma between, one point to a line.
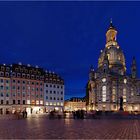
x=113, y=51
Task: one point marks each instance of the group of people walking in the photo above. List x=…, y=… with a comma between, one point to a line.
x=79, y=114
x=20, y=114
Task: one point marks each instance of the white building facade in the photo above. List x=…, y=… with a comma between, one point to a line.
x=53, y=92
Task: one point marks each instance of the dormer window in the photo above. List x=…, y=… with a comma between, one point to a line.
x=7, y=69
x=18, y=75
x=1, y=73
x=7, y=74
x=23, y=75
x=32, y=76
x=28, y=76
x=13, y=74
x=16, y=69
x=2, y=68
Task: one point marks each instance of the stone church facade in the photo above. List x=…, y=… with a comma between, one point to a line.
x=110, y=82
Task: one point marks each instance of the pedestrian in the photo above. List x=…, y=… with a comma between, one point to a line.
x=25, y=114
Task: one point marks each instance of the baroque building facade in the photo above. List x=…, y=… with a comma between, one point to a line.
x=23, y=87
x=75, y=103
x=110, y=83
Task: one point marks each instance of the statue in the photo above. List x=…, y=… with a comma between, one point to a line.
x=121, y=103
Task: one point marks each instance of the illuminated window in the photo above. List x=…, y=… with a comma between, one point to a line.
x=125, y=81
x=28, y=101
x=108, y=55
x=124, y=95
x=104, y=93
x=37, y=102
x=132, y=92
x=119, y=57
x=47, y=103
x=41, y=102
x=33, y=102
x=113, y=94
x=104, y=80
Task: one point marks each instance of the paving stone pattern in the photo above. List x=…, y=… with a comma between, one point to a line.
x=43, y=128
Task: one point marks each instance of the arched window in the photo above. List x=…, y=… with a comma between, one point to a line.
x=108, y=55
x=104, y=93
x=124, y=95
x=113, y=94
x=119, y=57
x=132, y=91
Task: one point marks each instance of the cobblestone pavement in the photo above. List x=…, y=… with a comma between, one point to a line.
x=43, y=128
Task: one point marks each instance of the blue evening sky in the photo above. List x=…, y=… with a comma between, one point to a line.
x=66, y=37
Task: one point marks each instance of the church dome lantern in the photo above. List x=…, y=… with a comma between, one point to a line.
x=113, y=51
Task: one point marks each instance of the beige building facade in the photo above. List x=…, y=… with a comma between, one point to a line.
x=110, y=81
x=75, y=104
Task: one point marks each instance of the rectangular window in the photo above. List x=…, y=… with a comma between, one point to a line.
x=7, y=94
x=41, y=102
x=104, y=93
x=1, y=87
x=37, y=102
x=13, y=87
x=124, y=95
x=23, y=94
x=23, y=102
x=14, y=101
x=7, y=102
x=28, y=102
x=113, y=94
x=18, y=101
x=1, y=101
